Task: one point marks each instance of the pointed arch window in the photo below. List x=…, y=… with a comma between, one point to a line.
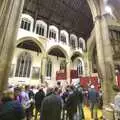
x=80, y=68
x=49, y=69
x=81, y=45
x=72, y=42
x=52, y=34
x=40, y=29
x=23, y=67
x=63, y=38
x=26, y=24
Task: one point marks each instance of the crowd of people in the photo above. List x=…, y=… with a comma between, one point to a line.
x=48, y=102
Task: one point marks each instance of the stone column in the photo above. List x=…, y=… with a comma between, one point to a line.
x=105, y=60
x=89, y=64
x=43, y=67
x=10, y=11
x=68, y=65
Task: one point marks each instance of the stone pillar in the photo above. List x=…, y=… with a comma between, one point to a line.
x=43, y=67
x=89, y=64
x=10, y=11
x=105, y=60
x=68, y=65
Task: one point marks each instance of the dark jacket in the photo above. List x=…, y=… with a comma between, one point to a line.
x=39, y=96
x=79, y=96
x=51, y=108
x=72, y=101
x=11, y=110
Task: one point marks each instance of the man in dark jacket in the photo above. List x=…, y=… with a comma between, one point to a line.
x=51, y=107
x=71, y=104
x=79, y=92
x=39, y=96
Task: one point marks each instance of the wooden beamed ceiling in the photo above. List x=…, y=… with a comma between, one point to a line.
x=73, y=15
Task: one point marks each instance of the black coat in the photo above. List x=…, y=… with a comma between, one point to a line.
x=72, y=101
x=51, y=108
x=79, y=96
x=39, y=96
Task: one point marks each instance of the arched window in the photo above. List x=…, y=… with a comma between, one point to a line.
x=72, y=41
x=52, y=34
x=63, y=38
x=25, y=24
x=23, y=65
x=80, y=68
x=81, y=43
x=49, y=69
x=40, y=29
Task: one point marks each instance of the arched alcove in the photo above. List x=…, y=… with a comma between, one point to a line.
x=58, y=51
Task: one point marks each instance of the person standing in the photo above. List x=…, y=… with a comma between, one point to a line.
x=117, y=106
x=79, y=92
x=93, y=101
x=39, y=96
x=51, y=106
x=10, y=109
x=26, y=102
x=71, y=104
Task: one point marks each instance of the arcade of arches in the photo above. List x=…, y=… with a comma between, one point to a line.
x=38, y=46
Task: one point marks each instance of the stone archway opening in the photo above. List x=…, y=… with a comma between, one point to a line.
x=58, y=52
x=75, y=55
x=29, y=45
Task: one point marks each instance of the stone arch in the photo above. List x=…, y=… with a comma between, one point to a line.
x=60, y=48
x=75, y=55
x=35, y=40
x=94, y=7
x=80, y=59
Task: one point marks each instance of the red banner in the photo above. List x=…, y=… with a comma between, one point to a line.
x=88, y=81
x=61, y=75
x=73, y=74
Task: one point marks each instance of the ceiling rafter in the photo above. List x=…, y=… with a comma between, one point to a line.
x=71, y=15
